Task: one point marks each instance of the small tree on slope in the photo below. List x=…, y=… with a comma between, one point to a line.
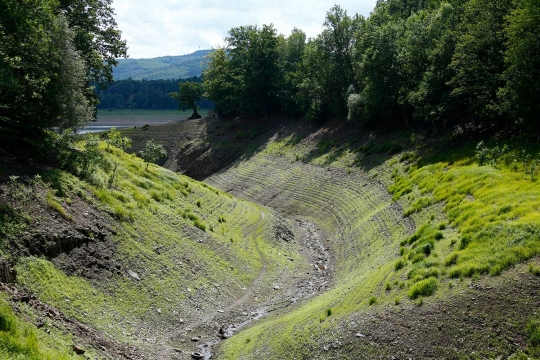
x=152, y=152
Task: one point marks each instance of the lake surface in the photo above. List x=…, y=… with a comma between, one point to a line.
x=100, y=128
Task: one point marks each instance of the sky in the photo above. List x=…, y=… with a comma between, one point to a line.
x=177, y=27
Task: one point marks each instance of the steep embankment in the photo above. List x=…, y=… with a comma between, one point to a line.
x=142, y=267
x=431, y=253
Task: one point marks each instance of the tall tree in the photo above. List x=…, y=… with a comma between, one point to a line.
x=521, y=94
x=478, y=60
x=42, y=74
x=328, y=65
x=97, y=38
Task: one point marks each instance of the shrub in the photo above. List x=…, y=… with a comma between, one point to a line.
x=533, y=332
x=372, y=300
x=534, y=270
x=400, y=264
x=426, y=249
x=423, y=288
x=328, y=312
x=199, y=224
x=451, y=260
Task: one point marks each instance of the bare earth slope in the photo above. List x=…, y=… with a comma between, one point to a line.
x=367, y=312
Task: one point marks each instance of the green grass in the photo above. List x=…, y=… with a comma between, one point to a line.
x=147, y=203
x=53, y=202
x=495, y=211
x=423, y=288
x=21, y=340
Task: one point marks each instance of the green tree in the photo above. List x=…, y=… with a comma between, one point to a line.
x=431, y=97
x=46, y=67
x=478, y=60
x=42, y=75
x=97, y=39
x=113, y=137
x=245, y=75
x=379, y=71
x=222, y=82
x=152, y=152
x=190, y=92
x=521, y=93
x=91, y=155
x=328, y=68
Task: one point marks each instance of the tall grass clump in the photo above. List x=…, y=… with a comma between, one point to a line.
x=423, y=288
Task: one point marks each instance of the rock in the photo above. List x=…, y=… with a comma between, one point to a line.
x=181, y=321
x=358, y=335
x=159, y=311
x=177, y=350
x=276, y=287
x=195, y=339
x=134, y=275
x=220, y=311
x=78, y=350
x=197, y=356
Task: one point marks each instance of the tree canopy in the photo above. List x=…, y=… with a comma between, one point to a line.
x=432, y=61
x=51, y=50
x=190, y=92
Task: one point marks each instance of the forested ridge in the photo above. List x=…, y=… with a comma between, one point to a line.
x=409, y=62
x=144, y=94
x=163, y=67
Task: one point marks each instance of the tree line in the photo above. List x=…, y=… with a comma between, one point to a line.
x=440, y=62
x=144, y=94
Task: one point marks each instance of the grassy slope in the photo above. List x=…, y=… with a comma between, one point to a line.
x=474, y=220
x=184, y=272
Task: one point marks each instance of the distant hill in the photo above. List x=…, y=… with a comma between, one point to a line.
x=165, y=67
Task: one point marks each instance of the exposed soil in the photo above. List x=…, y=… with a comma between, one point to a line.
x=258, y=300
x=487, y=320
x=86, y=335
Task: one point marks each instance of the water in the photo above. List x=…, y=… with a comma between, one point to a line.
x=95, y=129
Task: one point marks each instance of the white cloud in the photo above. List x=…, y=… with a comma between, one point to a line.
x=177, y=27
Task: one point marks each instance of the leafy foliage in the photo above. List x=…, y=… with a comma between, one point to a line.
x=152, y=152
x=51, y=50
x=455, y=62
x=190, y=92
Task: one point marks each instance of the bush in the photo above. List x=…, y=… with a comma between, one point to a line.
x=372, y=300
x=199, y=224
x=451, y=260
x=400, y=264
x=355, y=105
x=423, y=288
x=533, y=332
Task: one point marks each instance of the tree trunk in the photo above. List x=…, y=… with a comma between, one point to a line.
x=195, y=114
x=406, y=119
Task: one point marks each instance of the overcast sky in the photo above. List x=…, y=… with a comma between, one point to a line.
x=177, y=27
